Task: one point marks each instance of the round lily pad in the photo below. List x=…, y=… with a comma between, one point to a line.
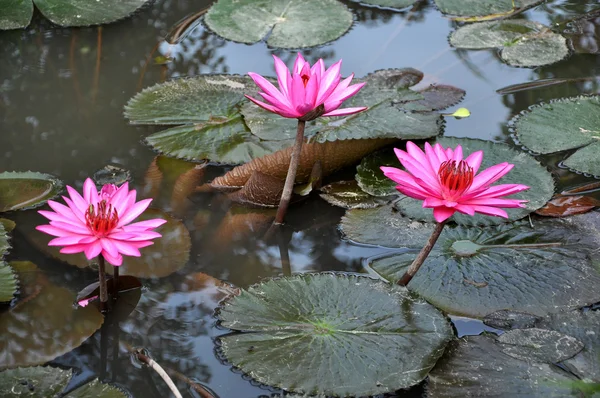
x=539, y=345
x=165, y=256
x=475, y=271
x=8, y=282
x=15, y=14
x=45, y=381
x=25, y=190
x=527, y=171
x=476, y=366
x=34, y=333
x=480, y=8
x=389, y=3
x=314, y=333
x=285, y=23
x=522, y=42
x=87, y=12
x=563, y=124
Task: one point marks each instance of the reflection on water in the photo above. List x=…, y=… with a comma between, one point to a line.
x=62, y=93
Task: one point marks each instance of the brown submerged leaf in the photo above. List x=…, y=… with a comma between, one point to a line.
x=238, y=223
x=332, y=155
x=563, y=206
x=260, y=190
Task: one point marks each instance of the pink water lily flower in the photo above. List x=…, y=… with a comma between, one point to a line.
x=447, y=183
x=100, y=222
x=305, y=89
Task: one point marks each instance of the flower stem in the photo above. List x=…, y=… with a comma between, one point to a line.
x=115, y=294
x=102, y=281
x=291, y=174
x=416, y=264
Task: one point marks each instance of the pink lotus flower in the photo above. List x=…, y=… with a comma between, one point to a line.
x=447, y=183
x=305, y=89
x=100, y=223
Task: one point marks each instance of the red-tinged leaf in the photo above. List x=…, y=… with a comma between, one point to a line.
x=563, y=206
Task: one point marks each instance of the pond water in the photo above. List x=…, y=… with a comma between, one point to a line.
x=62, y=93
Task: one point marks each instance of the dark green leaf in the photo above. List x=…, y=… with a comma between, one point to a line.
x=475, y=271
x=347, y=194
x=15, y=14
x=564, y=124
x=314, y=333
x=87, y=12
x=369, y=176
x=468, y=8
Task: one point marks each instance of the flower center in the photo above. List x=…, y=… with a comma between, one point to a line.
x=305, y=79
x=455, y=178
x=102, y=219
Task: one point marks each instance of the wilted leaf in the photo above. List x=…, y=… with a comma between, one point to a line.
x=563, y=206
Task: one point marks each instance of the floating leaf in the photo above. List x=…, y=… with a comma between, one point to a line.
x=369, y=176
x=167, y=255
x=31, y=280
x=44, y=382
x=260, y=190
x=476, y=365
x=475, y=271
x=389, y=3
x=348, y=195
x=437, y=97
x=563, y=206
x=331, y=155
x=522, y=42
x=8, y=280
x=8, y=225
x=304, y=331
x=506, y=319
x=286, y=23
x=481, y=8
x=392, y=112
x=527, y=171
x=539, y=345
x=583, y=33
x=33, y=334
x=111, y=174
x=87, y=12
x=583, y=326
x=15, y=14
x=564, y=124
x=20, y=190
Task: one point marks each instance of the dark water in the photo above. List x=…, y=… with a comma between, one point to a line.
x=62, y=93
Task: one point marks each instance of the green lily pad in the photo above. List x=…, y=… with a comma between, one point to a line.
x=8, y=225
x=44, y=382
x=477, y=366
x=8, y=279
x=583, y=326
x=15, y=14
x=25, y=190
x=479, y=8
x=523, y=43
x=31, y=280
x=167, y=255
x=390, y=115
x=539, y=345
x=389, y=3
x=314, y=333
x=33, y=334
x=285, y=23
x=475, y=271
x=563, y=124
x=369, y=176
x=348, y=195
x=527, y=171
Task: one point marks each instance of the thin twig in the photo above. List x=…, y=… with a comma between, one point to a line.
x=115, y=294
x=158, y=369
x=102, y=281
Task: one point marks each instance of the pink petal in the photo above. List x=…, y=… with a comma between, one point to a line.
x=90, y=192
x=438, y=150
x=496, y=202
x=127, y=249
x=430, y=202
x=132, y=236
x=413, y=193
x=318, y=69
x=283, y=75
x=297, y=94
x=51, y=230
x=312, y=88
x=50, y=215
x=490, y=175
x=465, y=209
x=345, y=94
x=346, y=111
x=73, y=249
x=417, y=154
x=432, y=157
x=474, y=160
x=329, y=81
x=78, y=201
x=490, y=211
x=116, y=260
x=92, y=250
x=497, y=191
x=65, y=240
x=77, y=213
x=442, y=213
x=269, y=88
x=273, y=109
x=405, y=179
x=298, y=64
x=133, y=212
x=145, y=225
x=428, y=180
x=109, y=247
x=457, y=155
x=74, y=228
